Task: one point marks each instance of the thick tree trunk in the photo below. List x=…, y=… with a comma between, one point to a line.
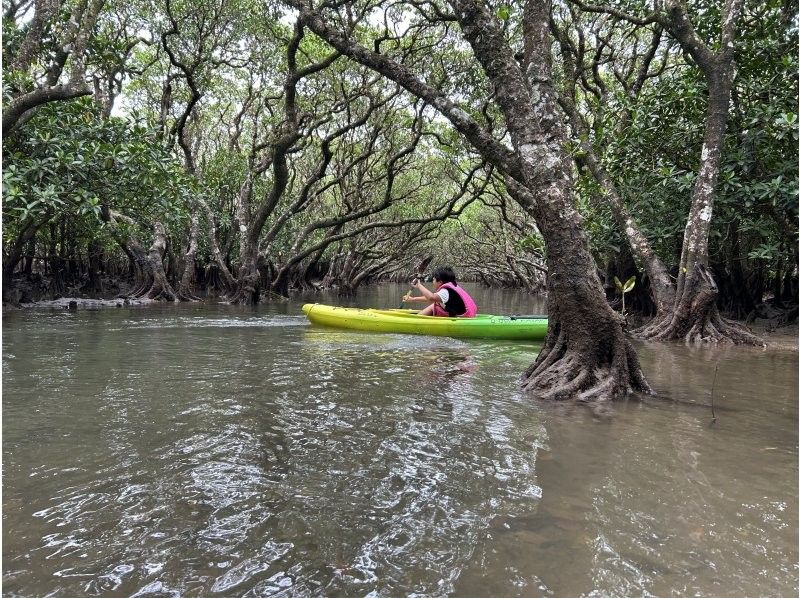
x=248, y=282
x=693, y=317
x=152, y=265
x=696, y=317
x=586, y=354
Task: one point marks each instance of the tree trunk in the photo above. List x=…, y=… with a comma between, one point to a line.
x=692, y=318
x=153, y=283
x=94, y=285
x=223, y=274
x=248, y=289
x=27, y=269
x=189, y=264
x=14, y=254
x=585, y=354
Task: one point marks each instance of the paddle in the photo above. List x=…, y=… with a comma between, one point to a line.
x=420, y=271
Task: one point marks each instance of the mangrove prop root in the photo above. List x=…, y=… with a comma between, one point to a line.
x=587, y=371
x=696, y=319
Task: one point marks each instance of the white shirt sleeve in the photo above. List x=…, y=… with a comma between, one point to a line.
x=444, y=294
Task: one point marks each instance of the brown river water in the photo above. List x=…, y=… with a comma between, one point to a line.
x=202, y=449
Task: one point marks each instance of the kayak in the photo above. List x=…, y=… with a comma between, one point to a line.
x=407, y=321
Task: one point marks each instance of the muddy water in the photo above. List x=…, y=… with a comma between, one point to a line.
x=197, y=450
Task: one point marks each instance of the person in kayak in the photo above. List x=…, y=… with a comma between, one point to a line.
x=448, y=299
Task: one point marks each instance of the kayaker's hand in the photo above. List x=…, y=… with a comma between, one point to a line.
x=406, y=298
x=415, y=282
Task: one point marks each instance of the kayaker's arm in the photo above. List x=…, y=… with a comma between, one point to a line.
x=409, y=299
x=429, y=296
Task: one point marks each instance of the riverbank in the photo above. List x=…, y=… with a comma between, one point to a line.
x=81, y=303
x=784, y=338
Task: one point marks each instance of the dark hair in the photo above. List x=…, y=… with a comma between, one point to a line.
x=445, y=275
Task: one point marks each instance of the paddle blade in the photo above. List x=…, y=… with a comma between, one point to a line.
x=422, y=266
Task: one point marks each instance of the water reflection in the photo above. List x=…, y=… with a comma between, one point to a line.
x=210, y=449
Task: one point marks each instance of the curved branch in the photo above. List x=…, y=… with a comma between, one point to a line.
x=495, y=152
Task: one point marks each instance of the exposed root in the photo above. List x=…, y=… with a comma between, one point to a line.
x=245, y=294
x=721, y=330
x=141, y=289
x=184, y=293
x=696, y=318
x=587, y=372
x=547, y=356
x=714, y=329
x=162, y=291
x=155, y=288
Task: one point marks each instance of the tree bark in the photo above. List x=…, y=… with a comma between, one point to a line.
x=189, y=266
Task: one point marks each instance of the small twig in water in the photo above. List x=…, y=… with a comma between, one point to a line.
x=713, y=382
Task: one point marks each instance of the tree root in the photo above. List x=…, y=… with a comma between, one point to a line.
x=241, y=297
x=184, y=293
x=155, y=288
x=696, y=318
x=709, y=327
x=246, y=293
x=586, y=372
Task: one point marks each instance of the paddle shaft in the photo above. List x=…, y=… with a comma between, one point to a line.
x=420, y=273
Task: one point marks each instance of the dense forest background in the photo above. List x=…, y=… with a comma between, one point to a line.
x=174, y=150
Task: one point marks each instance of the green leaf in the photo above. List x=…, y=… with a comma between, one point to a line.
x=503, y=12
x=617, y=284
x=629, y=284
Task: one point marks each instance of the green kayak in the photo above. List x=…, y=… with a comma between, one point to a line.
x=407, y=321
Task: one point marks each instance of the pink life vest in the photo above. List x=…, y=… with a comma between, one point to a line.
x=472, y=309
